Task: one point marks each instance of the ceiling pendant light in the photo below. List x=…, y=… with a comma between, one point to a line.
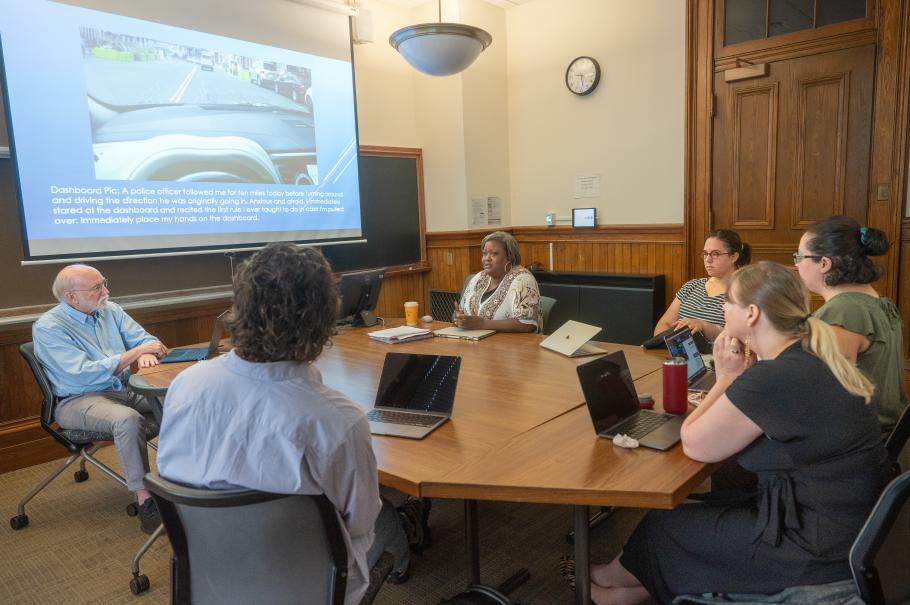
x=440, y=49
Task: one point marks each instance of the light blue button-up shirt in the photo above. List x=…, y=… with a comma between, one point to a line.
x=274, y=427
x=80, y=352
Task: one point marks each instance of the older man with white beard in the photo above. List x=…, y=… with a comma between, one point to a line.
x=87, y=344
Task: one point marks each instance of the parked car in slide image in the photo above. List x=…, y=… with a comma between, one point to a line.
x=292, y=86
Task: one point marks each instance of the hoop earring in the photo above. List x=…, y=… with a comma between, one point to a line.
x=510, y=266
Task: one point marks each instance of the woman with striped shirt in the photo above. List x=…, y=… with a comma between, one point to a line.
x=699, y=304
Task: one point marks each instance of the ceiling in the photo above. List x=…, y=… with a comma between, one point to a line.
x=415, y=3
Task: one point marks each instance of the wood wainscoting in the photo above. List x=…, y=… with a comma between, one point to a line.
x=451, y=256
x=22, y=440
x=654, y=249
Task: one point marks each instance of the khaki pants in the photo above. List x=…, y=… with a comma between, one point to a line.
x=117, y=413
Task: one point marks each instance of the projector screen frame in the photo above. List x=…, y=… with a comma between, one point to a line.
x=167, y=251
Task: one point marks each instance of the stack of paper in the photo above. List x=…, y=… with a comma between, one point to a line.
x=400, y=334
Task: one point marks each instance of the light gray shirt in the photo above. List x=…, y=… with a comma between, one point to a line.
x=274, y=427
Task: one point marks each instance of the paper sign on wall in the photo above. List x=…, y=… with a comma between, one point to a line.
x=587, y=185
x=485, y=211
x=478, y=212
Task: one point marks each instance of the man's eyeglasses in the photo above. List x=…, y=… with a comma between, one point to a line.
x=798, y=258
x=96, y=288
x=714, y=254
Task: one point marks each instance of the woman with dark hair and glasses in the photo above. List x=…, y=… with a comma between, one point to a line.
x=699, y=304
x=833, y=261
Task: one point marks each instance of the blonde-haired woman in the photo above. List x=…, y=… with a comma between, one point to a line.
x=799, y=419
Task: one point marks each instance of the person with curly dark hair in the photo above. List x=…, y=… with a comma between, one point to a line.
x=261, y=418
x=833, y=261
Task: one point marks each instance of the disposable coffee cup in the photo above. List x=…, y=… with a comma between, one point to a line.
x=411, y=312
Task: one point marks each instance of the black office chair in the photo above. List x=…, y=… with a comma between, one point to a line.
x=896, y=442
x=881, y=551
x=244, y=546
x=81, y=445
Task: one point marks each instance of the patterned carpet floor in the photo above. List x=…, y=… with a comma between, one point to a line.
x=79, y=544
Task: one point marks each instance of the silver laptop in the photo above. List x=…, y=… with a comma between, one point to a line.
x=571, y=339
x=613, y=405
x=682, y=344
x=415, y=395
x=198, y=353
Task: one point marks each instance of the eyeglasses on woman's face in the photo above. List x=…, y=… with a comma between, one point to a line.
x=714, y=254
x=798, y=258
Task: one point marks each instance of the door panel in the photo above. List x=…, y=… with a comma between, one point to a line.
x=755, y=142
x=793, y=147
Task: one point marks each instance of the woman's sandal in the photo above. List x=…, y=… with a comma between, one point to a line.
x=567, y=570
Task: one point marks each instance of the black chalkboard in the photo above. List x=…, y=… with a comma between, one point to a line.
x=391, y=203
x=391, y=207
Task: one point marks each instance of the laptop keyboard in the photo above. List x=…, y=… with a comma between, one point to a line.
x=639, y=426
x=391, y=417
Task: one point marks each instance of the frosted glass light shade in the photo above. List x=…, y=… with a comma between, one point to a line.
x=440, y=49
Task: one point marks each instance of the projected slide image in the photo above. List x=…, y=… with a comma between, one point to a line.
x=169, y=112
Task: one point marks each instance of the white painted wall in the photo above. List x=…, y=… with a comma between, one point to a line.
x=630, y=129
x=508, y=126
x=486, y=112
x=385, y=83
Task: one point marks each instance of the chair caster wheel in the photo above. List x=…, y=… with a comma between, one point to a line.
x=18, y=522
x=80, y=476
x=132, y=509
x=139, y=584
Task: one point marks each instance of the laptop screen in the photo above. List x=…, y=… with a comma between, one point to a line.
x=418, y=382
x=609, y=392
x=682, y=344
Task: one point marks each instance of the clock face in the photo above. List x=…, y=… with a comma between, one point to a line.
x=583, y=75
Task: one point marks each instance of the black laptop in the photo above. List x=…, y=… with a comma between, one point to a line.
x=198, y=353
x=682, y=344
x=613, y=405
x=415, y=396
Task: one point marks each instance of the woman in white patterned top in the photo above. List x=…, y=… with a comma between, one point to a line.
x=699, y=304
x=504, y=296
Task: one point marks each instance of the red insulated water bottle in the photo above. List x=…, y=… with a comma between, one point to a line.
x=675, y=386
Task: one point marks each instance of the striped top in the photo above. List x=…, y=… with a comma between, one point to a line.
x=695, y=303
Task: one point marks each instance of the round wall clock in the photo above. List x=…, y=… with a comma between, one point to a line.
x=583, y=75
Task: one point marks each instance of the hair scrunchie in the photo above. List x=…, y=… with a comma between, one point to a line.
x=864, y=236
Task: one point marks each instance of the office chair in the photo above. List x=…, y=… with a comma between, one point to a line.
x=896, y=442
x=244, y=546
x=81, y=445
x=546, y=305
x=879, y=556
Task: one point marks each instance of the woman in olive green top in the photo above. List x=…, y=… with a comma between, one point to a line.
x=833, y=261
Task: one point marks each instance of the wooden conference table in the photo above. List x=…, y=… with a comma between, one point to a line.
x=519, y=432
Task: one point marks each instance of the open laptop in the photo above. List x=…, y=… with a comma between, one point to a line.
x=613, y=405
x=571, y=339
x=682, y=344
x=198, y=353
x=415, y=395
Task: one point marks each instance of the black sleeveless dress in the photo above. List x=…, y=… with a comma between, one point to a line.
x=821, y=467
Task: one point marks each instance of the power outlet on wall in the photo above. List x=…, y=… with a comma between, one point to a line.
x=550, y=219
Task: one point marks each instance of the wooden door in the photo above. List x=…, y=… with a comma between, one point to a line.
x=792, y=147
